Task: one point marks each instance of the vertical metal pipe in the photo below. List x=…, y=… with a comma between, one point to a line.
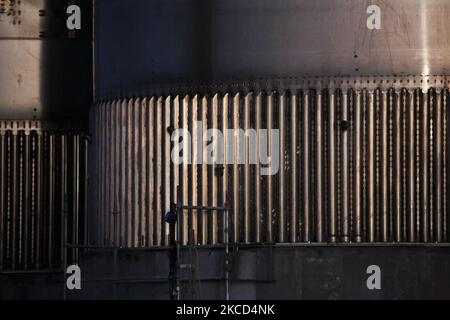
x=319, y=168
x=194, y=168
x=446, y=168
x=204, y=170
x=258, y=177
x=345, y=234
x=293, y=166
x=246, y=167
x=39, y=182
x=135, y=187
x=270, y=207
x=384, y=168
x=27, y=218
x=425, y=168
x=129, y=171
x=184, y=115
x=138, y=159
x=236, y=207
x=123, y=173
x=438, y=172
x=114, y=181
x=19, y=199
x=306, y=168
x=189, y=177
x=13, y=201
x=282, y=170
x=358, y=168
x=411, y=184
x=151, y=171
x=86, y=147
x=98, y=176
x=107, y=124
x=2, y=196
x=397, y=168
x=166, y=166
x=371, y=160
x=225, y=194
x=332, y=227
x=247, y=195
x=51, y=201
x=63, y=199
x=102, y=175
x=157, y=167
x=143, y=204
x=76, y=192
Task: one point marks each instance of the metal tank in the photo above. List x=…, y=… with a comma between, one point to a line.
x=45, y=94
x=362, y=118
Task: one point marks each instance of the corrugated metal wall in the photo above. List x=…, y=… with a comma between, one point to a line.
x=43, y=178
x=360, y=162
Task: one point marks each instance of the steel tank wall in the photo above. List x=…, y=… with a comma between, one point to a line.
x=361, y=113
x=45, y=94
x=143, y=45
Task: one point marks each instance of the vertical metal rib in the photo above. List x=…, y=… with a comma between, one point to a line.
x=86, y=157
x=137, y=174
x=151, y=171
x=64, y=198
x=27, y=236
x=411, y=184
x=236, y=181
x=13, y=201
x=51, y=193
x=345, y=169
x=123, y=173
x=306, y=168
x=282, y=173
x=269, y=193
x=225, y=188
x=107, y=165
x=2, y=196
x=212, y=178
x=96, y=129
x=101, y=169
x=371, y=160
x=397, y=167
x=425, y=168
x=75, y=191
x=166, y=167
x=129, y=172
x=39, y=182
x=143, y=173
x=246, y=167
x=258, y=177
x=247, y=194
x=186, y=156
x=194, y=168
x=358, y=168
x=438, y=172
x=332, y=167
x=204, y=173
x=189, y=200
x=446, y=169
x=384, y=168
x=319, y=168
x=114, y=170
x=293, y=168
